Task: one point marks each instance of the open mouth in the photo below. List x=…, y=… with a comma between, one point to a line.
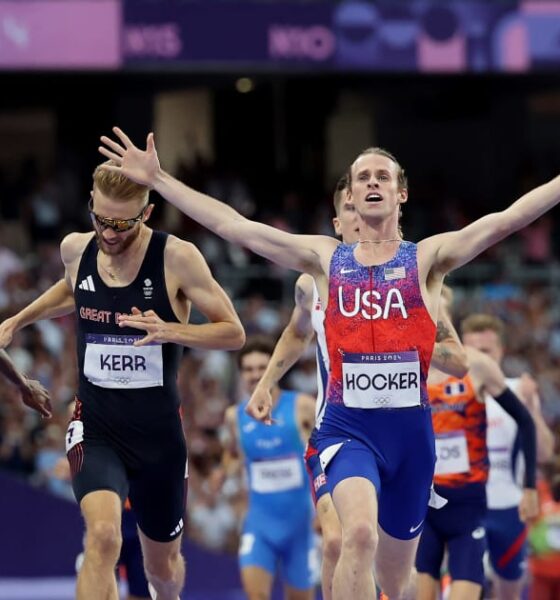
x=374, y=197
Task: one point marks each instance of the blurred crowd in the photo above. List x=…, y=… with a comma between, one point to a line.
x=521, y=289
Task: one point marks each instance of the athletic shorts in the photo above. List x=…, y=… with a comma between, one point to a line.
x=317, y=477
x=507, y=543
x=459, y=527
x=151, y=472
x=394, y=449
x=292, y=551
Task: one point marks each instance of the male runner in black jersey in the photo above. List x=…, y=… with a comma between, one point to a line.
x=133, y=289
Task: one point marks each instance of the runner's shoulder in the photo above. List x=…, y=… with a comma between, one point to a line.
x=73, y=246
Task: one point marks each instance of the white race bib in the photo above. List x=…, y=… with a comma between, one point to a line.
x=381, y=380
x=452, y=453
x=111, y=361
x=74, y=434
x=269, y=476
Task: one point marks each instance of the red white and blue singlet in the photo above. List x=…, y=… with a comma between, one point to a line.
x=378, y=311
x=377, y=423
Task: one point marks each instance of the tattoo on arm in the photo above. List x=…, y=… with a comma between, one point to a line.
x=280, y=364
x=443, y=354
x=443, y=332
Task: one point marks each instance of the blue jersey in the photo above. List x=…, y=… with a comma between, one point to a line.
x=275, y=467
x=278, y=526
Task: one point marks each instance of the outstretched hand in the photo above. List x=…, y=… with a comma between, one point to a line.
x=35, y=396
x=260, y=406
x=141, y=166
x=148, y=321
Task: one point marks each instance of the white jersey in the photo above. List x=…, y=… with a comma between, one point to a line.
x=503, y=489
x=318, y=323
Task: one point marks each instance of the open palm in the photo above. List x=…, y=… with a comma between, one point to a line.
x=139, y=165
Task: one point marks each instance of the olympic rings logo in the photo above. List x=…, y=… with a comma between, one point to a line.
x=122, y=380
x=382, y=401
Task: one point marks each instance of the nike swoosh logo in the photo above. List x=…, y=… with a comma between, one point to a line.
x=344, y=271
x=413, y=529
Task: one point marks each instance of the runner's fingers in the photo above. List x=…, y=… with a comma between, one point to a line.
x=112, y=156
x=145, y=340
x=113, y=145
x=135, y=323
x=123, y=137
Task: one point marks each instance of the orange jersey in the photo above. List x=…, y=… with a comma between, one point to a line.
x=459, y=421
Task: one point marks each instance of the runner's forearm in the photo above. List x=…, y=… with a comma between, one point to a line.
x=287, y=352
x=8, y=369
x=207, y=211
x=57, y=301
x=220, y=336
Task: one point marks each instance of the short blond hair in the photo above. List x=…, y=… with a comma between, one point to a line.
x=483, y=322
x=117, y=186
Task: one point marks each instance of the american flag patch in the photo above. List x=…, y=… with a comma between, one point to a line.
x=395, y=273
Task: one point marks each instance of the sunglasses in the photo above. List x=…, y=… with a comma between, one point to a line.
x=117, y=225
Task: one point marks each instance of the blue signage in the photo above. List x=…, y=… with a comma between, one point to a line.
x=422, y=36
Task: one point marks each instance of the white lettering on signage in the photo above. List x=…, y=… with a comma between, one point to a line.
x=364, y=301
x=316, y=42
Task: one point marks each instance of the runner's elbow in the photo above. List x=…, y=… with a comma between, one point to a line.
x=238, y=337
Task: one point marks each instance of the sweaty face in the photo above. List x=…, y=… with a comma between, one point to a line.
x=487, y=341
x=346, y=224
x=109, y=241
x=375, y=189
x=253, y=366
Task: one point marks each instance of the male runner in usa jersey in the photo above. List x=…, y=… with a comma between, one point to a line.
x=382, y=298
x=505, y=531
x=308, y=317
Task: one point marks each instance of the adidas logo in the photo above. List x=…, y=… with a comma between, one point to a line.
x=177, y=529
x=87, y=284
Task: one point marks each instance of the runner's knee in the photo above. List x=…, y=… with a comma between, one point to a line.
x=361, y=537
x=104, y=538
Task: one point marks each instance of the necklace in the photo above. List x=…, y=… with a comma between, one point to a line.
x=379, y=241
x=111, y=275
x=115, y=275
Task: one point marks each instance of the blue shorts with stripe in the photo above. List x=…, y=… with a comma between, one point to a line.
x=459, y=527
x=392, y=448
x=507, y=543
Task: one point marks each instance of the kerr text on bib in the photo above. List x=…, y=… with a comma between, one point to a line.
x=112, y=361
